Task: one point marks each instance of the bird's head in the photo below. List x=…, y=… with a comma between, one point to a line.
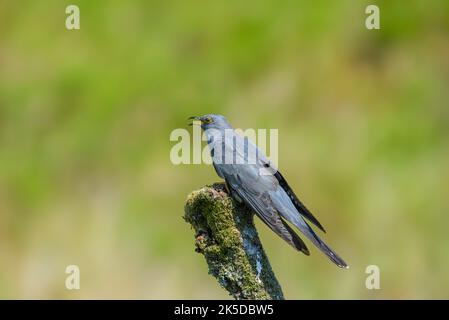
x=212, y=121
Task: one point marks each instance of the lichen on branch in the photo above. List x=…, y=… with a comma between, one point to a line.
x=225, y=234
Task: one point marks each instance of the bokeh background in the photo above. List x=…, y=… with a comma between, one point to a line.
x=85, y=119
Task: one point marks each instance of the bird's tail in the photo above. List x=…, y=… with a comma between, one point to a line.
x=335, y=258
x=285, y=207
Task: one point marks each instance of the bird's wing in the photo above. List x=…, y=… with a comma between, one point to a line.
x=265, y=195
x=249, y=186
x=298, y=204
x=261, y=204
x=264, y=162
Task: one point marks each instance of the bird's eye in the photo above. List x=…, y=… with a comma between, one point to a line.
x=208, y=120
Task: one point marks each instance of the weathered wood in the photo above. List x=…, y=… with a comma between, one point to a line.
x=225, y=234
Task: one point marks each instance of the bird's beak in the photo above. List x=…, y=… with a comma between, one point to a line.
x=193, y=118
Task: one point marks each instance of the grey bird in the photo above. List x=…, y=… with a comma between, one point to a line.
x=252, y=179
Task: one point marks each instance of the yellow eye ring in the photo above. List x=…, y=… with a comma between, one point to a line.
x=207, y=120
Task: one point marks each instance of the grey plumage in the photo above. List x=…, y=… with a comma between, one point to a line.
x=252, y=179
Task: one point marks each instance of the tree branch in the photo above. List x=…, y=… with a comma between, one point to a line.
x=227, y=237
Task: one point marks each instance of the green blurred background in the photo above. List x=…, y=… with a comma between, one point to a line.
x=85, y=119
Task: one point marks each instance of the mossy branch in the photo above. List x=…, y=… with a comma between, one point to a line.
x=225, y=234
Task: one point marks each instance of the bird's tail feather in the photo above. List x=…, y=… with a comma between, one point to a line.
x=335, y=258
x=287, y=210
